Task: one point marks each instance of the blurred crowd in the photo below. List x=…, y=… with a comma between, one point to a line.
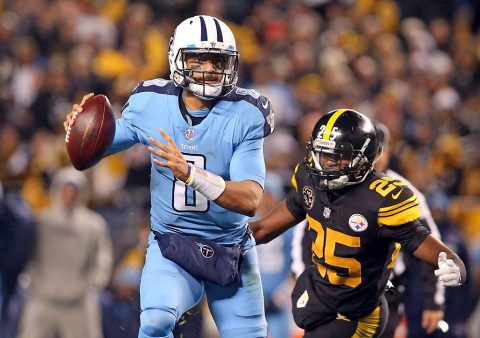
x=412, y=65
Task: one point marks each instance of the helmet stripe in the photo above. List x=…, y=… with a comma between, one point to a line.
x=331, y=123
x=203, y=30
x=219, y=31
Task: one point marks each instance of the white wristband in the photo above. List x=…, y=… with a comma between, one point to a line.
x=209, y=185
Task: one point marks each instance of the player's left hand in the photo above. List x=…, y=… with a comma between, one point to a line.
x=171, y=154
x=430, y=319
x=448, y=272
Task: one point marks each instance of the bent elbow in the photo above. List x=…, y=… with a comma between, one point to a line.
x=253, y=206
x=249, y=209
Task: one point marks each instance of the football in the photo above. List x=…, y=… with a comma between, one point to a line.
x=90, y=133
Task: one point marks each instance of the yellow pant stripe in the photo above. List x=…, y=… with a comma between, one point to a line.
x=368, y=326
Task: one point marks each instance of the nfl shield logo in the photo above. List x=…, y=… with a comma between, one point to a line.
x=326, y=212
x=189, y=134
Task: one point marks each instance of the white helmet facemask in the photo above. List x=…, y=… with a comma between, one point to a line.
x=204, y=36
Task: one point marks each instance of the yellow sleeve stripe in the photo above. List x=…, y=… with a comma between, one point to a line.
x=407, y=201
x=398, y=210
x=331, y=123
x=294, y=179
x=405, y=216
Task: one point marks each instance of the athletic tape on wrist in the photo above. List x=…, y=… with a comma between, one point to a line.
x=209, y=185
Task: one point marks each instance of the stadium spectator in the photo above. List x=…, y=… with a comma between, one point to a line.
x=70, y=265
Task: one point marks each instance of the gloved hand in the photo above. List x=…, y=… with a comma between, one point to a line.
x=448, y=272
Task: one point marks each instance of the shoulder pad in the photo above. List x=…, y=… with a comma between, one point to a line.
x=262, y=103
x=159, y=86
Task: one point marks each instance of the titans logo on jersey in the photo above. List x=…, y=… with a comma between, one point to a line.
x=228, y=143
x=354, y=232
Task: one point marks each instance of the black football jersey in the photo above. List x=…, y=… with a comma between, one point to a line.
x=356, y=233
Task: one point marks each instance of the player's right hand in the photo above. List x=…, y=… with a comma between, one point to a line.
x=173, y=157
x=76, y=108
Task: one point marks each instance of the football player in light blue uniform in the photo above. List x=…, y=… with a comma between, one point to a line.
x=205, y=136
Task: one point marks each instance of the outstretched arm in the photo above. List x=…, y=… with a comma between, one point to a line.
x=274, y=224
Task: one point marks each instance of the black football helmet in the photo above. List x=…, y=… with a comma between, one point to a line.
x=342, y=149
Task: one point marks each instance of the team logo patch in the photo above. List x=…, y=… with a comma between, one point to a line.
x=308, y=197
x=303, y=300
x=189, y=134
x=205, y=250
x=358, y=223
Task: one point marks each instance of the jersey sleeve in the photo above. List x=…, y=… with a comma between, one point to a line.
x=409, y=235
x=259, y=116
x=294, y=200
x=399, y=206
x=266, y=108
x=248, y=163
x=125, y=132
x=425, y=213
x=399, y=217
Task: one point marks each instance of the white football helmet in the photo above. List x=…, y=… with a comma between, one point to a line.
x=199, y=35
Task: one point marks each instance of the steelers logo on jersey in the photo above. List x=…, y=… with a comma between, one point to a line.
x=308, y=197
x=358, y=223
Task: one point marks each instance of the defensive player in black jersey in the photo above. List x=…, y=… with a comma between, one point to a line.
x=356, y=218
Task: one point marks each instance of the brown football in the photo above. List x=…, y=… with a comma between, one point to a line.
x=91, y=133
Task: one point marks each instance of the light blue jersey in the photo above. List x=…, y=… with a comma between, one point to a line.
x=228, y=143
